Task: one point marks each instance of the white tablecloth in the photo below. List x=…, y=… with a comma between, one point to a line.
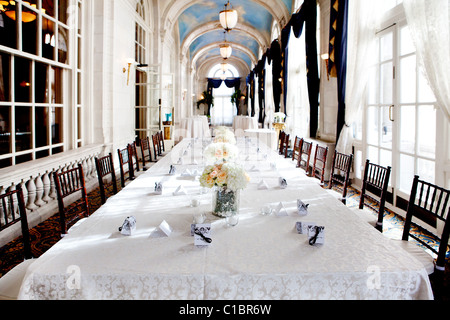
x=242, y=123
x=263, y=257
x=194, y=127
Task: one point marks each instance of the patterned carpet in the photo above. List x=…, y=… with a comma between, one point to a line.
x=46, y=234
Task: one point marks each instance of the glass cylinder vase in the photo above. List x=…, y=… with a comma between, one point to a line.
x=225, y=202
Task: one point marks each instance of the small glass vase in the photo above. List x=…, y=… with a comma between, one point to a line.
x=225, y=202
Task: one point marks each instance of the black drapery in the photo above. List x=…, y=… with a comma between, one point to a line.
x=260, y=72
x=229, y=82
x=307, y=16
x=337, y=64
x=274, y=56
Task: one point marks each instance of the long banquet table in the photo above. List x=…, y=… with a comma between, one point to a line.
x=263, y=257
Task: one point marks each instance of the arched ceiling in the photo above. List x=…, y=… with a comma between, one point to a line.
x=201, y=33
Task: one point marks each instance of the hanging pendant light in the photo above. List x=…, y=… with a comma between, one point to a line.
x=225, y=51
x=224, y=66
x=228, y=17
x=10, y=10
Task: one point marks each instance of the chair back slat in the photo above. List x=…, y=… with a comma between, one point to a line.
x=146, y=152
x=14, y=211
x=429, y=203
x=105, y=168
x=68, y=183
x=376, y=181
x=125, y=164
x=320, y=162
x=305, y=156
x=340, y=172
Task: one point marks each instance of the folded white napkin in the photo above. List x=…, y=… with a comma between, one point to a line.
x=280, y=210
x=180, y=161
x=262, y=185
x=254, y=168
x=179, y=191
x=187, y=173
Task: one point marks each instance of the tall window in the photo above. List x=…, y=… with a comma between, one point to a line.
x=37, y=67
x=400, y=117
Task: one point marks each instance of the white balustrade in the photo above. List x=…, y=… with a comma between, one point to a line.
x=39, y=189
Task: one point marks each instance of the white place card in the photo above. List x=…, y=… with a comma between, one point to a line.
x=158, y=188
x=165, y=228
x=282, y=183
x=202, y=234
x=302, y=227
x=273, y=165
x=302, y=208
x=186, y=173
x=172, y=170
x=180, y=191
x=280, y=210
x=128, y=226
x=316, y=235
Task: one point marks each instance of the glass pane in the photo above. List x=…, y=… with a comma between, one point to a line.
x=385, y=159
x=5, y=130
x=48, y=39
x=426, y=170
x=427, y=131
x=358, y=165
x=372, y=86
x=48, y=7
x=406, y=43
x=408, y=79
x=386, y=80
x=372, y=125
x=5, y=163
x=24, y=118
x=62, y=11
x=5, y=70
x=57, y=85
x=372, y=155
x=24, y=158
x=8, y=29
x=141, y=118
x=406, y=172
x=407, y=128
x=42, y=154
x=78, y=88
x=42, y=123
x=29, y=31
x=63, y=44
x=425, y=92
x=22, y=80
x=386, y=132
x=41, y=83
x=386, y=47
x=57, y=125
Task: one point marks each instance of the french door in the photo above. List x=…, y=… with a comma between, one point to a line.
x=400, y=118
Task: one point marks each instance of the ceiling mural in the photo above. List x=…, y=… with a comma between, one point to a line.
x=201, y=33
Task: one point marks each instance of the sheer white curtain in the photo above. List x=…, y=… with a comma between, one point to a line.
x=429, y=23
x=297, y=99
x=268, y=96
x=360, y=50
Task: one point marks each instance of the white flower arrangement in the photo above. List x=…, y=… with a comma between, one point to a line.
x=225, y=175
x=225, y=135
x=221, y=152
x=279, y=117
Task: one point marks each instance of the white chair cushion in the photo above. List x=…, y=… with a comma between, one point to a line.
x=11, y=282
x=419, y=253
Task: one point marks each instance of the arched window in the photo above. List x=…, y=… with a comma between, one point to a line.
x=223, y=111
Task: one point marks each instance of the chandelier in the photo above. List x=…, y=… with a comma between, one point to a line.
x=9, y=8
x=228, y=17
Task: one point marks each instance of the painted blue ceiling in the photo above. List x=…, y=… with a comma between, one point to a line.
x=206, y=11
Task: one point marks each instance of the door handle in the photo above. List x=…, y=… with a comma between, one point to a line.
x=390, y=112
